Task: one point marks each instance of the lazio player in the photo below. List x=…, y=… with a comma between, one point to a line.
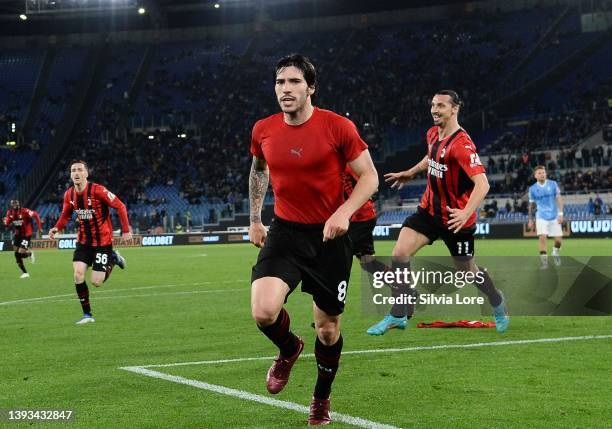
x=545, y=197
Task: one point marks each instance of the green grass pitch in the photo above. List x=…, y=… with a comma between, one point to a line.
x=191, y=303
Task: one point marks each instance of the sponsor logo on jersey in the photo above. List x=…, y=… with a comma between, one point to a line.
x=85, y=214
x=474, y=160
x=437, y=169
x=18, y=222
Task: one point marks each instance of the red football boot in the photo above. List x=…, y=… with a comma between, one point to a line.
x=319, y=412
x=278, y=374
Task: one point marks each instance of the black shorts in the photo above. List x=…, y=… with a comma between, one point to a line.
x=361, y=237
x=459, y=244
x=99, y=258
x=21, y=241
x=296, y=252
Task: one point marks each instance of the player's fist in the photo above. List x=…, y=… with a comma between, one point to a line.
x=257, y=234
x=398, y=180
x=52, y=233
x=126, y=236
x=336, y=225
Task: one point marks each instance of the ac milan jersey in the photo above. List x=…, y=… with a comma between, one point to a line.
x=21, y=220
x=93, y=214
x=365, y=212
x=307, y=163
x=452, y=161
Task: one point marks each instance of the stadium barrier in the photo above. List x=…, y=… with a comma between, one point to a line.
x=600, y=228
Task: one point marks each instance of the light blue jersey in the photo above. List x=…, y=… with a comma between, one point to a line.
x=545, y=197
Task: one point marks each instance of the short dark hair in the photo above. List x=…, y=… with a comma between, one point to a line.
x=303, y=64
x=79, y=161
x=455, y=99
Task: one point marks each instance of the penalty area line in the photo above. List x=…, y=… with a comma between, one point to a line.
x=241, y=394
x=396, y=350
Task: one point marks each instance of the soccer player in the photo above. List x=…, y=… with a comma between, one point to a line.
x=91, y=203
x=545, y=196
x=456, y=186
x=304, y=150
x=20, y=218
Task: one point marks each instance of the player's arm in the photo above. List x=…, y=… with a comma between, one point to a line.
x=398, y=180
x=113, y=201
x=365, y=187
x=531, y=209
x=258, y=186
x=559, y=206
x=6, y=220
x=458, y=217
x=63, y=219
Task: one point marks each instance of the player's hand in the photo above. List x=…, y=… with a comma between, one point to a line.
x=560, y=220
x=336, y=225
x=398, y=180
x=257, y=234
x=126, y=236
x=458, y=218
x=530, y=224
x=52, y=233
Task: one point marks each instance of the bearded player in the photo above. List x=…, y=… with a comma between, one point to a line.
x=20, y=218
x=91, y=202
x=456, y=186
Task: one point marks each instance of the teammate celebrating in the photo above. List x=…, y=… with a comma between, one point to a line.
x=456, y=185
x=91, y=203
x=545, y=196
x=20, y=218
x=304, y=151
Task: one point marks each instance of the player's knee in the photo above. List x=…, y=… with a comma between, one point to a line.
x=79, y=277
x=328, y=332
x=263, y=316
x=96, y=282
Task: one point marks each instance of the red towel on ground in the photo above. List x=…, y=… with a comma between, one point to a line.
x=458, y=324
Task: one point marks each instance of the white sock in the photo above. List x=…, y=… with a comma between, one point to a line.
x=556, y=251
x=544, y=259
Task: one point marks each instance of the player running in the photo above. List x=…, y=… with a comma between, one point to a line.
x=91, y=203
x=545, y=197
x=304, y=150
x=456, y=186
x=20, y=218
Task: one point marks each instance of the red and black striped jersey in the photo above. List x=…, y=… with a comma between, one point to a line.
x=93, y=214
x=452, y=161
x=21, y=220
x=366, y=211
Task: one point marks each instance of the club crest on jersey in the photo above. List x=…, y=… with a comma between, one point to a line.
x=436, y=169
x=297, y=152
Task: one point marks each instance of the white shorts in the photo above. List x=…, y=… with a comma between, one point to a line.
x=551, y=228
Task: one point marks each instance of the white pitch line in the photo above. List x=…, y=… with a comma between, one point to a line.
x=53, y=297
x=395, y=350
x=142, y=295
x=343, y=418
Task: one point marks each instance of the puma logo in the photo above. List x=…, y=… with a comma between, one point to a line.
x=297, y=152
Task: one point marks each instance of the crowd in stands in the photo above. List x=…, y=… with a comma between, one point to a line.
x=379, y=77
